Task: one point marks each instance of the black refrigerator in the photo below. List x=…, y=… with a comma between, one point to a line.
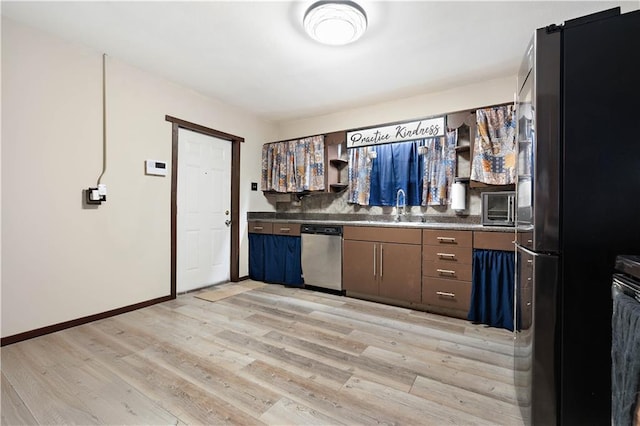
x=578, y=206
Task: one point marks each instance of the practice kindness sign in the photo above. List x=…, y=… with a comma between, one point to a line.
x=428, y=128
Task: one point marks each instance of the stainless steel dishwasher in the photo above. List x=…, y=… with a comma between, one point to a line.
x=322, y=256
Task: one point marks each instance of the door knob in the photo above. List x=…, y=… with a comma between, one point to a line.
x=227, y=222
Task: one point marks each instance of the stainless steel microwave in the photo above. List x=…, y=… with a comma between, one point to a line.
x=498, y=208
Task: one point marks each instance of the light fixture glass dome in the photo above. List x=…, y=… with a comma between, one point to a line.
x=335, y=22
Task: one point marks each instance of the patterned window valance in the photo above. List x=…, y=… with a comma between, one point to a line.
x=494, y=153
x=293, y=166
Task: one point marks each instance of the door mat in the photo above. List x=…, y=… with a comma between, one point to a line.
x=223, y=291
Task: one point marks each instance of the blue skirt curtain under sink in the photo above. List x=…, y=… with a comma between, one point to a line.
x=492, y=288
x=275, y=259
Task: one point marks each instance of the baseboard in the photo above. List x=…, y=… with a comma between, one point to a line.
x=79, y=321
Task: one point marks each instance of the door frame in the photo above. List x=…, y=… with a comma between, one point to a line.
x=234, y=261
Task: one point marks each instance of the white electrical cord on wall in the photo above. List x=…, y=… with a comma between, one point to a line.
x=96, y=196
x=104, y=117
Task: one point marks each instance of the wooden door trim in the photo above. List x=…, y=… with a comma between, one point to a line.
x=234, y=261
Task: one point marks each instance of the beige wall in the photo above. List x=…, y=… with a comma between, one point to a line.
x=420, y=106
x=61, y=261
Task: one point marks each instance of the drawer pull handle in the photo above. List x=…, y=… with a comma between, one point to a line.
x=258, y=228
x=285, y=229
x=446, y=271
x=446, y=239
x=444, y=293
x=447, y=255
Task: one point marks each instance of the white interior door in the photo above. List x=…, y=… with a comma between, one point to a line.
x=203, y=202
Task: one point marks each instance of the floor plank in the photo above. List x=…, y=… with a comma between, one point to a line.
x=266, y=355
x=406, y=408
x=14, y=411
x=288, y=412
x=476, y=404
x=340, y=408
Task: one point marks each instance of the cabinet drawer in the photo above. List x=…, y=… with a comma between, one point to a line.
x=447, y=237
x=446, y=270
x=493, y=240
x=292, y=229
x=256, y=227
x=449, y=254
x=385, y=235
x=447, y=293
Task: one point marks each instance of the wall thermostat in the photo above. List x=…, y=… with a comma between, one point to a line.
x=156, y=168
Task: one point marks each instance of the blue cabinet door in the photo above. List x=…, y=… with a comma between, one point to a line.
x=293, y=265
x=256, y=256
x=492, y=288
x=275, y=259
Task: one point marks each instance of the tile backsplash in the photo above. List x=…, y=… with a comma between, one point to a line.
x=332, y=203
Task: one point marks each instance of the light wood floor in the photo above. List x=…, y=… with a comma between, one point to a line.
x=271, y=355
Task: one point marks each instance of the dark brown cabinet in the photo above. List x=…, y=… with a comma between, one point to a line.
x=359, y=274
x=490, y=240
x=400, y=276
x=336, y=161
x=274, y=228
x=259, y=227
x=382, y=263
x=447, y=268
x=290, y=229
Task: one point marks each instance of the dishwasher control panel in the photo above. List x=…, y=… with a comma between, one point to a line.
x=321, y=229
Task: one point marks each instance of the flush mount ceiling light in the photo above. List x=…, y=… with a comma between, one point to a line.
x=335, y=22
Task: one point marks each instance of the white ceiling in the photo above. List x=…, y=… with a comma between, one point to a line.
x=255, y=55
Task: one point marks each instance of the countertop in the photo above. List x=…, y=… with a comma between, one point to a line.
x=462, y=223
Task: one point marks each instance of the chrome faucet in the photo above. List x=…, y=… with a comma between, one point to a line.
x=398, y=204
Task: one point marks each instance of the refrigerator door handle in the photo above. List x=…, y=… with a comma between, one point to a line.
x=533, y=253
